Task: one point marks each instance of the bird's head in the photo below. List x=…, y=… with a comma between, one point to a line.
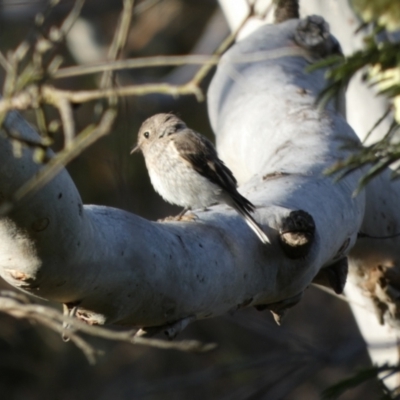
x=156, y=128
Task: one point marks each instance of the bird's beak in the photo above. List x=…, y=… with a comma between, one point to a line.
x=135, y=149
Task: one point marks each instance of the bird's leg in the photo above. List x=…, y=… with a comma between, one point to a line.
x=181, y=216
x=182, y=213
x=188, y=218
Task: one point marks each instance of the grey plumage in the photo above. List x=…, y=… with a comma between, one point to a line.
x=185, y=170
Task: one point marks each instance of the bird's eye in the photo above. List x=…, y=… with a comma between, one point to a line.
x=179, y=126
x=146, y=134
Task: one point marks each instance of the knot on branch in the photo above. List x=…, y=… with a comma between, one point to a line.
x=297, y=234
x=334, y=276
x=286, y=9
x=313, y=34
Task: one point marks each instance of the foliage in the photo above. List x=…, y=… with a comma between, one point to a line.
x=385, y=12
x=379, y=63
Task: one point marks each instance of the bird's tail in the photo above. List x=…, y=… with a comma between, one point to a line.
x=254, y=226
x=243, y=207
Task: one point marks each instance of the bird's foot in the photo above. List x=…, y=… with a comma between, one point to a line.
x=185, y=218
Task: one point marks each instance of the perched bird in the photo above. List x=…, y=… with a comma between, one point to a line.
x=185, y=170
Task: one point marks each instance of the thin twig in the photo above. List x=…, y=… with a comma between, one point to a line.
x=19, y=306
x=164, y=61
x=133, y=90
x=205, y=69
x=62, y=99
x=140, y=62
x=89, y=352
x=67, y=119
x=41, y=122
x=119, y=40
x=4, y=62
x=41, y=143
x=50, y=94
x=87, y=137
x=71, y=18
x=63, y=105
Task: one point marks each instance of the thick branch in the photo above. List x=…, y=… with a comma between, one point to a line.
x=117, y=267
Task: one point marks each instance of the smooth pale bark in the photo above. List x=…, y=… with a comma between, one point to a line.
x=373, y=294
x=373, y=288
x=119, y=268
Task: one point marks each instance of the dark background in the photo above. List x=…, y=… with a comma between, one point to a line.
x=317, y=345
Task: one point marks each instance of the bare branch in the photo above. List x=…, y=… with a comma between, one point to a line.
x=4, y=62
x=163, y=61
x=49, y=94
x=87, y=137
x=202, y=72
x=19, y=306
x=118, y=43
x=67, y=118
x=59, y=34
x=140, y=62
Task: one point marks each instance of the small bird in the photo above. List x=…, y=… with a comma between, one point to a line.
x=185, y=170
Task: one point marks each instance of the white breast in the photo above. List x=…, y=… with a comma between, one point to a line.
x=178, y=183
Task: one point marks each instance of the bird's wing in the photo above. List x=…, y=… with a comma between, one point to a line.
x=202, y=156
